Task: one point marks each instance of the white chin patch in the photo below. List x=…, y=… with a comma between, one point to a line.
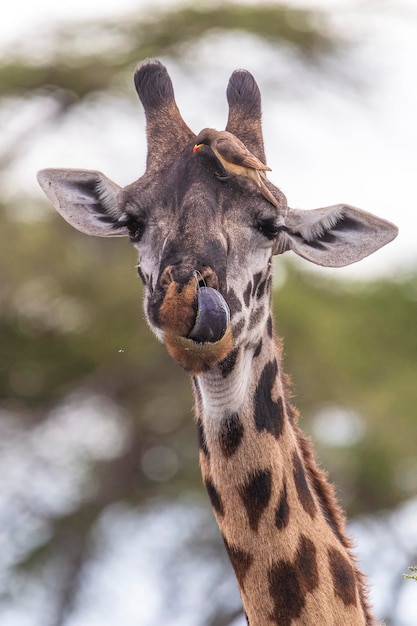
x=158, y=333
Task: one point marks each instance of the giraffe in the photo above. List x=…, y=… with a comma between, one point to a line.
x=206, y=241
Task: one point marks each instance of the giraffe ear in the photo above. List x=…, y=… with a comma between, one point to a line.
x=334, y=236
x=86, y=199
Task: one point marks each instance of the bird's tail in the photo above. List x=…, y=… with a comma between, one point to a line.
x=262, y=172
x=259, y=179
x=268, y=195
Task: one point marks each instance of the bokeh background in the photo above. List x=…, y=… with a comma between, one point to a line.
x=103, y=519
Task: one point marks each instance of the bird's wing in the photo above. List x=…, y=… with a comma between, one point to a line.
x=234, y=151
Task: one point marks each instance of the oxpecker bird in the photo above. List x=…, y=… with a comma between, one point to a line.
x=235, y=158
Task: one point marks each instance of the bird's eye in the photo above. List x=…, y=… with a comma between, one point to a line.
x=268, y=227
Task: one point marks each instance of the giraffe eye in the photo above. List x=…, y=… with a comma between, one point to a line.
x=135, y=226
x=268, y=227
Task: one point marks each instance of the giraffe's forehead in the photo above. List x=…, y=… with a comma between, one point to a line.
x=195, y=189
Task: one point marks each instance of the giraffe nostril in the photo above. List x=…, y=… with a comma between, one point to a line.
x=181, y=273
x=206, y=277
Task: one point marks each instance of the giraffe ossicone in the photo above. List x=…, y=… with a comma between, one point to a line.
x=206, y=239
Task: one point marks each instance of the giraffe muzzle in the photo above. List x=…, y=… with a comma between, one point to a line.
x=196, y=324
x=194, y=318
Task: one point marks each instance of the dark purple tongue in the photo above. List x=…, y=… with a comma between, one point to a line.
x=213, y=316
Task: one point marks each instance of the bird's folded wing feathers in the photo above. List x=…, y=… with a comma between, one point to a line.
x=238, y=154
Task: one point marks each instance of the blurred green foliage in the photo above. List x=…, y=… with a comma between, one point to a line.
x=356, y=348
x=65, y=59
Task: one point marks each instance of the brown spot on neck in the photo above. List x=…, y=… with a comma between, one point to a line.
x=268, y=413
x=240, y=560
x=255, y=494
x=302, y=486
x=230, y=434
x=343, y=577
x=290, y=582
x=215, y=498
x=282, y=513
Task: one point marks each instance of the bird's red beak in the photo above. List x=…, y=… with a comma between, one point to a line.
x=197, y=147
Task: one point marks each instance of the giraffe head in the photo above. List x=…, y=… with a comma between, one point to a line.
x=205, y=238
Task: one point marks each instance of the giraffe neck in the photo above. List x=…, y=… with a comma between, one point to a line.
x=278, y=516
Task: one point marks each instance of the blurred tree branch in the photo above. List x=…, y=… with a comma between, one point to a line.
x=413, y=574
x=70, y=64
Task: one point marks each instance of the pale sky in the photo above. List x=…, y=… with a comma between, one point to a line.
x=339, y=146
